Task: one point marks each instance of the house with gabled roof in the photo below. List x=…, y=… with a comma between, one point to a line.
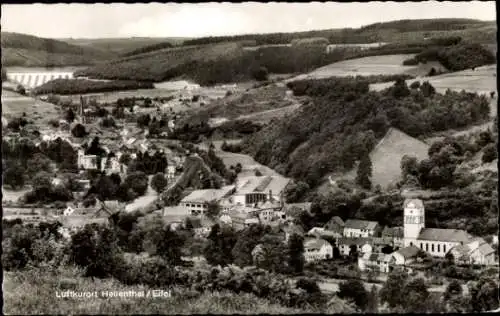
x=477, y=251
x=335, y=225
x=374, y=262
x=317, y=249
x=360, y=228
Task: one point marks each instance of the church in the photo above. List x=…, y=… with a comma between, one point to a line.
x=435, y=241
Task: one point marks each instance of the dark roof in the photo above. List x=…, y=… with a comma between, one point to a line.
x=360, y=224
x=440, y=234
x=417, y=203
x=354, y=241
x=409, y=252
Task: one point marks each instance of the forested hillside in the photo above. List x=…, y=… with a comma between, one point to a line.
x=344, y=121
x=26, y=50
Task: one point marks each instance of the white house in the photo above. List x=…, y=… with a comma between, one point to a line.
x=360, y=228
x=68, y=211
x=317, y=249
x=170, y=172
x=87, y=162
x=475, y=252
x=196, y=203
x=405, y=255
x=374, y=262
x=346, y=243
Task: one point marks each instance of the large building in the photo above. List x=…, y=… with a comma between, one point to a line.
x=251, y=190
x=435, y=241
x=196, y=203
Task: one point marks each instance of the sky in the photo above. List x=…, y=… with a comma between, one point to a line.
x=216, y=19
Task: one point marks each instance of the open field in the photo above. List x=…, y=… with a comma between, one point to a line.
x=482, y=79
x=14, y=105
x=366, y=66
x=13, y=196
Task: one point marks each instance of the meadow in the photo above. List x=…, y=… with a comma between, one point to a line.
x=14, y=105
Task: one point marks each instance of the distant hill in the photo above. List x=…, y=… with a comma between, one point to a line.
x=389, y=151
x=31, y=51
x=123, y=45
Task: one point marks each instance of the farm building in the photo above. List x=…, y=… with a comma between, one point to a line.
x=196, y=203
x=360, y=228
x=317, y=249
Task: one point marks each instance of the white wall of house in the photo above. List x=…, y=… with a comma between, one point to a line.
x=355, y=232
x=325, y=252
x=194, y=208
x=478, y=258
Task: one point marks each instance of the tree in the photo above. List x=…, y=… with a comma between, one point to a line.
x=391, y=292
x=213, y=209
x=372, y=304
x=453, y=289
x=159, y=182
x=364, y=173
x=484, y=295
x=70, y=116
x=490, y=153
x=415, y=85
x=274, y=254
x=221, y=241
x=39, y=162
x=143, y=120
x=400, y=89
x=238, y=168
x=138, y=182
x=79, y=131
x=260, y=74
x=296, y=192
x=355, y=291
x=427, y=89
x=247, y=240
x=409, y=166
x=95, y=249
x=415, y=294
x=21, y=90
x=14, y=176
x=296, y=253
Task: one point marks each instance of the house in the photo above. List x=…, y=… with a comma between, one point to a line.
x=225, y=219
x=196, y=203
x=68, y=211
x=254, y=189
x=374, y=262
x=270, y=211
x=87, y=162
x=360, y=228
x=405, y=255
x=170, y=172
x=202, y=226
x=335, y=225
x=346, y=243
x=317, y=249
x=56, y=182
x=475, y=252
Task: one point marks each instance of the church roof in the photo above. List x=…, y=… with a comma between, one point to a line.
x=440, y=234
x=417, y=203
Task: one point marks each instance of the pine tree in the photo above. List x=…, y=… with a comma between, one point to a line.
x=296, y=253
x=364, y=173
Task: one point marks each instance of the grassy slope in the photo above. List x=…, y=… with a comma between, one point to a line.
x=31, y=51
x=34, y=292
x=390, y=149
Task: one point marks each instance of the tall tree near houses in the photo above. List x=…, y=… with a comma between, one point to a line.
x=364, y=173
x=296, y=253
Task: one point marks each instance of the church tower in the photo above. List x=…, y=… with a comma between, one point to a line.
x=414, y=220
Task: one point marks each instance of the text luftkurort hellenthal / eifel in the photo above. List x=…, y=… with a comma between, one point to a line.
x=114, y=294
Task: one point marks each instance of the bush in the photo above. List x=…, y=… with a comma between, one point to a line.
x=490, y=153
x=410, y=62
x=79, y=131
x=415, y=85
x=260, y=74
x=77, y=86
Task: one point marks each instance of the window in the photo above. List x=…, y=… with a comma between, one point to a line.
x=426, y=247
x=444, y=248
x=421, y=246
x=432, y=247
x=439, y=248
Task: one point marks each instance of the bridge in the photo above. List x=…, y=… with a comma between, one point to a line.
x=30, y=80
